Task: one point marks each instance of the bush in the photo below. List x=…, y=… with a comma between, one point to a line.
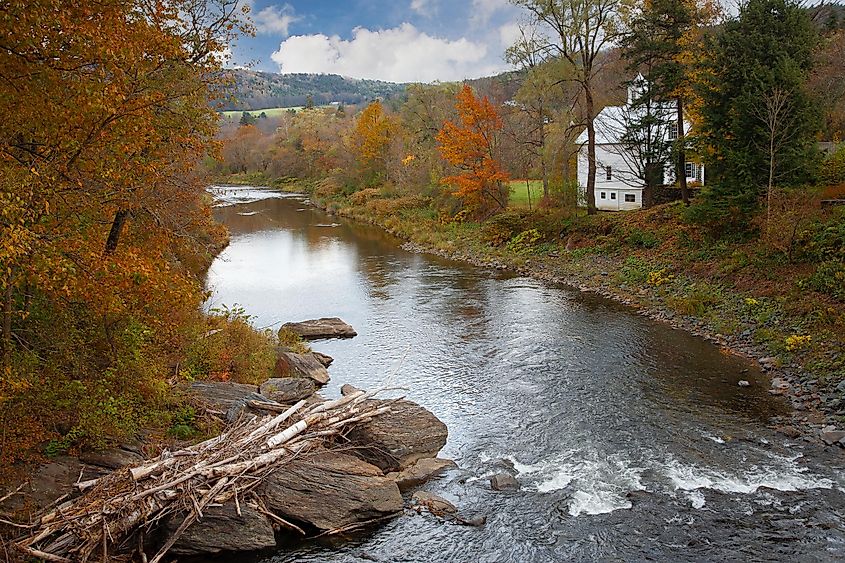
x=502, y=227
x=230, y=349
x=829, y=278
x=642, y=239
x=524, y=242
x=697, y=301
x=833, y=169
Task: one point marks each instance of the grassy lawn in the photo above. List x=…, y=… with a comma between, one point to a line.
x=519, y=192
x=271, y=112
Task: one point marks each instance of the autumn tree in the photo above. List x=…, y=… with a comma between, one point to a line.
x=373, y=130
x=104, y=228
x=470, y=145
x=581, y=29
x=658, y=40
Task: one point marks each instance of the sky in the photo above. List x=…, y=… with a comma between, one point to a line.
x=392, y=40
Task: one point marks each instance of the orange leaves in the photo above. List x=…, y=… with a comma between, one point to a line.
x=470, y=146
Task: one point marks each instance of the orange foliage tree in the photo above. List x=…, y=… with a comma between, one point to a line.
x=104, y=226
x=470, y=145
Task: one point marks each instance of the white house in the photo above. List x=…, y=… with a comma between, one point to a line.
x=619, y=184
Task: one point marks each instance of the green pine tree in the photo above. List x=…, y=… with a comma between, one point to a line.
x=766, y=51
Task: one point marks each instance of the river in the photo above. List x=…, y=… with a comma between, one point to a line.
x=631, y=440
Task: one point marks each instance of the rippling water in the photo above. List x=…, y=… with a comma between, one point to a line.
x=631, y=441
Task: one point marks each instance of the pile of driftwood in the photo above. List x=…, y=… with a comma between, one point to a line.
x=116, y=511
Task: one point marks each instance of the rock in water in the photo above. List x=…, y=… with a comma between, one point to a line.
x=324, y=359
x=437, y=505
x=397, y=439
x=420, y=472
x=329, y=490
x=288, y=390
x=318, y=329
x=347, y=389
x=222, y=529
x=289, y=364
x=503, y=482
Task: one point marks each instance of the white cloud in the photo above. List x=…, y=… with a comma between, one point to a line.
x=509, y=34
x=482, y=10
x=422, y=7
x=400, y=54
x=275, y=20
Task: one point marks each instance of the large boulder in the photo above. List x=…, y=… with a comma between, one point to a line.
x=288, y=390
x=329, y=490
x=397, y=439
x=220, y=396
x=222, y=529
x=317, y=329
x=289, y=364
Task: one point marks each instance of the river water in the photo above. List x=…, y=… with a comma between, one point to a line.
x=631, y=441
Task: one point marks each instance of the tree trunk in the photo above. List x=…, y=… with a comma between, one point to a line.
x=591, y=151
x=7, y=324
x=682, y=157
x=116, y=229
x=543, y=169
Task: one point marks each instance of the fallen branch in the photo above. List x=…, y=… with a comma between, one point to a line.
x=116, y=506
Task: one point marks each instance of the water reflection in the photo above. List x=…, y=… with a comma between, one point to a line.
x=590, y=401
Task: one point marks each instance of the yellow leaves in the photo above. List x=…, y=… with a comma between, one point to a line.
x=796, y=342
x=373, y=131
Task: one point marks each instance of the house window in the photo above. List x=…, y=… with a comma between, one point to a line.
x=612, y=195
x=629, y=198
x=608, y=173
x=698, y=173
x=604, y=195
x=690, y=169
x=673, y=131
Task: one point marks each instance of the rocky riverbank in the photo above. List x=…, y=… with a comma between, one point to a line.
x=353, y=480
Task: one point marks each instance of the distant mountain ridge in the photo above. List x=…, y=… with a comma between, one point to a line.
x=253, y=90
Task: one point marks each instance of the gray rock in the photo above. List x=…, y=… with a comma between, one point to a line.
x=347, y=389
x=288, y=390
x=328, y=490
x=435, y=504
x=222, y=529
x=743, y=383
x=789, y=431
x=220, y=396
x=112, y=458
x=324, y=359
x=503, y=482
x=241, y=406
x=397, y=439
x=318, y=329
x=289, y=364
x=769, y=362
x=830, y=437
x=421, y=472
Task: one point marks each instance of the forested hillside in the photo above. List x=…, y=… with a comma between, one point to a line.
x=259, y=90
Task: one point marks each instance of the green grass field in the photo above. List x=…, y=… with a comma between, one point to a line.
x=271, y=112
x=519, y=192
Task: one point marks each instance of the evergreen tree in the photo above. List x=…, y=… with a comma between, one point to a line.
x=767, y=49
x=655, y=44
x=247, y=119
x=309, y=102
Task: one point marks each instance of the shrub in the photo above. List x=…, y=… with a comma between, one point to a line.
x=697, y=301
x=642, y=239
x=635, y=271
x=829, y=278
x=524, y=242
x=502, y=227
x=833, y=169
